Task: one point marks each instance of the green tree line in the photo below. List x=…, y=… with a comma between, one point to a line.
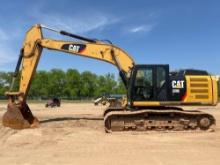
x=70, y=84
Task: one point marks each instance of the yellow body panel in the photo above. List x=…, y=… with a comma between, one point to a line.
x=31, y=56
x=99, y=51
x=146, y=103
x=215, y=89
x=202, y=89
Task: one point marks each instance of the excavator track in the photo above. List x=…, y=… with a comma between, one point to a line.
x=171, y=119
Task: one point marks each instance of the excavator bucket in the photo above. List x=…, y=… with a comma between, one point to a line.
x=19, y=117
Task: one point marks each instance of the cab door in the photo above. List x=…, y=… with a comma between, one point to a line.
x=149, y=83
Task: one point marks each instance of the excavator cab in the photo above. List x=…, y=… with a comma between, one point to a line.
x=155, y=85
x=149, y=83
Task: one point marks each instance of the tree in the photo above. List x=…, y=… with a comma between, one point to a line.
x=120, y=87
x=88, y=84
x=5, y=80
x=40, y=85
x=111, y=84
x=56, y=83
x=101, y=89
x=73, y=84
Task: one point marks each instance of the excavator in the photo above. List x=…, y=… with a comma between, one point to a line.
x=154, y=93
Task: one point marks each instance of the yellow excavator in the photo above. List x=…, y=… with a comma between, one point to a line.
x=154, y=94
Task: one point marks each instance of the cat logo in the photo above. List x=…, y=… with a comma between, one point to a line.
x=178, y=84
x=75, y=48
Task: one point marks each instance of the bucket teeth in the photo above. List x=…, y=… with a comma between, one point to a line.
x=19, y=117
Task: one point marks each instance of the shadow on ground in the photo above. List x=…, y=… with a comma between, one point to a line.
x=70, y=118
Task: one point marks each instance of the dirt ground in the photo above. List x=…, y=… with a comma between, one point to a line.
x=74, y=134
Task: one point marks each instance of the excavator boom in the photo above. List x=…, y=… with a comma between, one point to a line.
x=19, y=114
x=34, y=44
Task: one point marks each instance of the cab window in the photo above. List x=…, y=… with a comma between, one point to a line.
x=143, y=85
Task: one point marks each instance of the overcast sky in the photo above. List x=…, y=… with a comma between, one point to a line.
x=184, y=34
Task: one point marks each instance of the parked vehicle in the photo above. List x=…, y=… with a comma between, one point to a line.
x=55, y=102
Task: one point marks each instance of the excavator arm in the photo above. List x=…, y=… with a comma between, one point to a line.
x=30, y=55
